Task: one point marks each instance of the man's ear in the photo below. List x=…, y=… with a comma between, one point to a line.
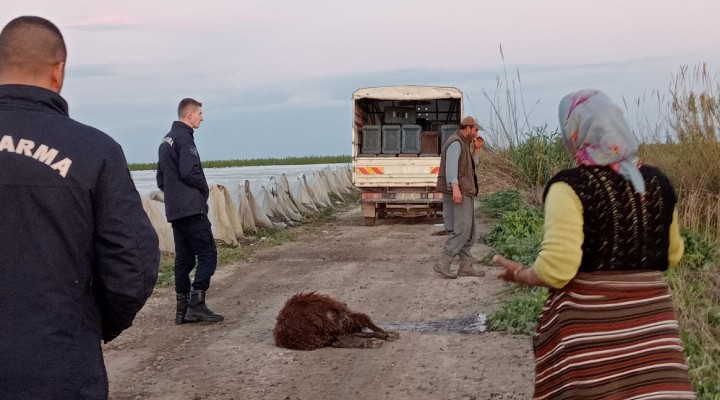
x=57, y=77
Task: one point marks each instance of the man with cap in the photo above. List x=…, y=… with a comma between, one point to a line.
x=458, y=182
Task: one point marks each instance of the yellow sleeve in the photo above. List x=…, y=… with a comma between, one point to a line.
x=677, y=246
x=561, y=251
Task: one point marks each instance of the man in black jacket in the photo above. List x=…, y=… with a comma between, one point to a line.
x=79, y=255
x=181, y=178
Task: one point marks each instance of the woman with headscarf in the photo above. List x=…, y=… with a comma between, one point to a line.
x=608, y=329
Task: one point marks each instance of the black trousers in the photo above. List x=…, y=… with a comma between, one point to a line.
x=194, y=245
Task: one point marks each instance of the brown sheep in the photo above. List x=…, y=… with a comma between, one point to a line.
x=309, y=321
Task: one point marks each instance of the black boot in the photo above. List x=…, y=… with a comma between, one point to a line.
x=198, y=311
x=183, y=301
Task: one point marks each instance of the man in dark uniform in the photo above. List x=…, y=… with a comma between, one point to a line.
x=79, y=256
x=181, y=178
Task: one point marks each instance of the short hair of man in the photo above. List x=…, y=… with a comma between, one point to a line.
x=186, y=105
x=31, y=44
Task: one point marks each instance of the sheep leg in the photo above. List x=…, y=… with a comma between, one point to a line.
x=355, y=342
x=384, y=335
x=365, y=321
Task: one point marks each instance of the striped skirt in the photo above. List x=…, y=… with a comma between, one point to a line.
x=610, y=336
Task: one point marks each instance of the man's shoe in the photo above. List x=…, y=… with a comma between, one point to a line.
x=466, y=268
x=183, y=301
x=198, y=311
x=442, y=266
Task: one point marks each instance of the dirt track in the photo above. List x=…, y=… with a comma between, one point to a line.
x=384, y=271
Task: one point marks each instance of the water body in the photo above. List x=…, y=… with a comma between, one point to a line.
x=234, y=176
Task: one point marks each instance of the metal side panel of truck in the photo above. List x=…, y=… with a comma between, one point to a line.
x=398, y=182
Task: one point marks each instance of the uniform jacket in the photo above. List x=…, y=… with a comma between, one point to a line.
x=467, y=179
x=79, y=256
x=180, y=174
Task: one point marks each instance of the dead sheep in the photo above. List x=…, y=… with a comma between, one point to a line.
x=309, y=321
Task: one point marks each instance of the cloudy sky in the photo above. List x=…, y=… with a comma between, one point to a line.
x=276, y=77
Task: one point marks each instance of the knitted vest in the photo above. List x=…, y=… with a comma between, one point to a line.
x=622, y=231
x=467, y=179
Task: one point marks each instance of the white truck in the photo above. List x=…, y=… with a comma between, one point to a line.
x=397, y=135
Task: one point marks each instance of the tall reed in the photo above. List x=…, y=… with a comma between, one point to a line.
x=509, y=122
x=692, y=159
x=692, y=162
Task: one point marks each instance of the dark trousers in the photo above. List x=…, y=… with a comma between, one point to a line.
x=194, y=243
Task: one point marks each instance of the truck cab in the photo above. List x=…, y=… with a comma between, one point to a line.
x=397, y=136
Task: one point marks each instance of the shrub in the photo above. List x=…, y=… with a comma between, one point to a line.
x=519, y=315
x=501, y=202
x=539, y=157
x=699, y=251
x=518, y=234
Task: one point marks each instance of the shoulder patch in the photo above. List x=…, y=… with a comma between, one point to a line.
x=168, y=140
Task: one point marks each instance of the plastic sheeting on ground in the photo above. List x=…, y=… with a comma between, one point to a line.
x=156, y=211
x=224, y=216
x=247, y=220
x=283, y=192
x=243, y=199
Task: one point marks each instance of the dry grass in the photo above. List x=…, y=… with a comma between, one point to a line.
x=695, y=105
x=696, y=296
x=700, y=211
x=693, y=162
x=690, y=165
x=694, y=169
x=496, y=172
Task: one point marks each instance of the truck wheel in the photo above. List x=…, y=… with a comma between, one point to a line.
x=369, y=221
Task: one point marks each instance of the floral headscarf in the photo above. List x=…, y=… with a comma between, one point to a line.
x=595, y=133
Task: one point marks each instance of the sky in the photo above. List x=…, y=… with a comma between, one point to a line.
x=276, y=77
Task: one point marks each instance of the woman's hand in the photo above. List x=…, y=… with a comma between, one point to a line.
x=514, y=271
x=510, y=268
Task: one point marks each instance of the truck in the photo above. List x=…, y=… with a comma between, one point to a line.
x=397, y=137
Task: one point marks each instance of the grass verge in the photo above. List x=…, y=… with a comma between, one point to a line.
x=696, y=293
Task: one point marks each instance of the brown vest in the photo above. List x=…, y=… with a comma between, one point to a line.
x=467, y=180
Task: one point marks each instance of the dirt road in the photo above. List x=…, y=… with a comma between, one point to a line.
x=384, y=271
